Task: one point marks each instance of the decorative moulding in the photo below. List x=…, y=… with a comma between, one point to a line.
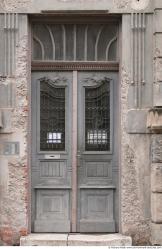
x=138, y=26
x=139, y=4
x=154, y=120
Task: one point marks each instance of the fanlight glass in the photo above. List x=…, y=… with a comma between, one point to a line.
x=75, y=42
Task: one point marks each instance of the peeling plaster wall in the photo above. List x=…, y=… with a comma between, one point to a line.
x=135, y=177
x=14, y=203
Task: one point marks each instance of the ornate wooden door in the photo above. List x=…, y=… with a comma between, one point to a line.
x=74, y=164
x=74, y=125
x=97, y=159
x=51, y=151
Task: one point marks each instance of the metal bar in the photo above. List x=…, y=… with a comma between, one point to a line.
x=12, y=43
x=9, y=44
x=52, y=41
x=143, y=48
x=64, y=42
x=139, y=61
x=96, y=44
x=5, y=44
x=85, y=43
x=17, y=28
x=136, y=59
x=109, y=45
x=132, y=50
x=75, y=42
x=74, y=153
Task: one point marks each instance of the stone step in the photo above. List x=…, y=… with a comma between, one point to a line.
x=53, y=239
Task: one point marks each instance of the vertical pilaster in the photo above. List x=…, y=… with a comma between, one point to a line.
x=138, y=26
x=9, y=40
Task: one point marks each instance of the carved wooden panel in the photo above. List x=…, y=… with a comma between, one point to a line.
x=52, y=168
x=97, y=169
x=52, y=210
x=97, y=208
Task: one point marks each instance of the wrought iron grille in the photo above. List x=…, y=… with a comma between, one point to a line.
x=97, y=117
x=52, y=117
x=75, y=42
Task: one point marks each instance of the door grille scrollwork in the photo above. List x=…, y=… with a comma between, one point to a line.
x=97, y=117
x=52, y=116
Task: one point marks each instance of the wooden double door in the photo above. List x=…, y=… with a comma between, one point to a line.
x=74, y=151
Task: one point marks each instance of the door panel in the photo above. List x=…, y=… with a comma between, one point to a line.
x=97, y=187
x=51, y=151
x=97, y=151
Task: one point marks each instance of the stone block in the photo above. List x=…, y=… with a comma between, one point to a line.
x=158, y=45
x=99, y=240
x=158, y=4
x=156, y=207
x=44, y=240
x=156, y=234
x=6, y=122
x=156, y=149
x=136, y=121
x=7, y=95
x=158, y=20
x=156, y=178
x=157, y=94
x=158, y=70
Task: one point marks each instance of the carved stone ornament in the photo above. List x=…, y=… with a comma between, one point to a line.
x=120, y=4
x=57, y=81
x=95, y=81
x=5, y=6
x=156, y=149
x=154, y=120
x=139, y=4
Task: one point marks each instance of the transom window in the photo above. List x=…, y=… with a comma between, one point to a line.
x=75, y=42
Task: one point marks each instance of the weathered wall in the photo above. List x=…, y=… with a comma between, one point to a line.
x=136, y=99
x=14, y=168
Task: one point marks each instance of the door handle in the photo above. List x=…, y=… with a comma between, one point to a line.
x=78, y=158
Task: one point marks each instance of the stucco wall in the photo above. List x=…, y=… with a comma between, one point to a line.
x=14, y=203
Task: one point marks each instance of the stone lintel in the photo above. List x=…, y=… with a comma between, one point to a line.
x=111, y=6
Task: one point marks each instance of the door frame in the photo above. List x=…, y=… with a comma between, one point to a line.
x=75, y=66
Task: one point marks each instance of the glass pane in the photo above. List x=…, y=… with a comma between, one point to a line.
x=75, y=42
x=97, y=117
x=52, y=117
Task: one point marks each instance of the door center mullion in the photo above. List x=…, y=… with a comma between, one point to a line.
x=74, y=152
